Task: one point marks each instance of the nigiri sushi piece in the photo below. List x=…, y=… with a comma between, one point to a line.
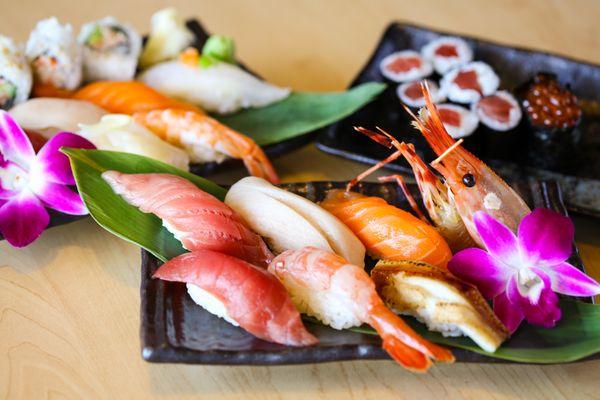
x=288, y=221
x=388, y=232
x=168, y=37
x=54, y=55
x=15, y=74
x=119, y=132
x=206, y=139
x=222, y=88
x=110, y=50
x=48, y=116
x=197, y=219
x=443, y=302
x=342, y=295
x=240, y=293
x=128, y=97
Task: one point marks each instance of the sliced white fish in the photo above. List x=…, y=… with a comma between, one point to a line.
x=221, y=88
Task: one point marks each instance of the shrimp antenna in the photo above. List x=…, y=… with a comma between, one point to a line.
x=372, y=169
x=447, y=151
x=411, y=200
x=384, y=140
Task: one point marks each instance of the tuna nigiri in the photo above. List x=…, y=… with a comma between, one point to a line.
x=289, y=221
x=206, y=139
x=48, y=116
x=128, y=97
x=386, y=231
x=197, y=219
x=342, y=295
x=223, y=88
x=241, y=293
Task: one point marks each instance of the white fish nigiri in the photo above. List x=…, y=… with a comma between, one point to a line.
x=48, y=116
x=288, y=221
x=118, y=132
x=223, y=88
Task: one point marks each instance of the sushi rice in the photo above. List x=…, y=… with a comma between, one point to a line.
x=54, y=55
x=209, y=302
x=110, y=50
x=405, y=66
x=446, y=53
x=15, y=75
x=476, y=73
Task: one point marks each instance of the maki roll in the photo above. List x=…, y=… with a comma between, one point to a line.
x=446, y=53
x=405, y=66
x=110, y=50
x=458, y=121
x=15, y=75
x=54, y=55
x=410, y=93
x=500, y=114
x=470, y=82
x=553, y=115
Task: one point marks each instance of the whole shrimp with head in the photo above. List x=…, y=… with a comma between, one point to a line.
x=473, y=185
x=437, y=198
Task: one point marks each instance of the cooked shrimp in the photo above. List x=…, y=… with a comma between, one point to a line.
x=342, y=295
x=474, y=186
x=206, y=139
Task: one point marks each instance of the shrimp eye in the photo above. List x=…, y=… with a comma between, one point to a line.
x=468, y=180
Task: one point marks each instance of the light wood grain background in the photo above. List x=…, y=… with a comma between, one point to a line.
x=69, y=303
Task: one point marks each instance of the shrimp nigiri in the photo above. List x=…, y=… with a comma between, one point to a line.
x=241, y=293
x=342, y=295
x=128, y=97
x=206, y=139
x=475, y=187
x=387, y=231
x=197, y=219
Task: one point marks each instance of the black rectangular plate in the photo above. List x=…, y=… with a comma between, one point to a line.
x=514, y=66
x=176, y=330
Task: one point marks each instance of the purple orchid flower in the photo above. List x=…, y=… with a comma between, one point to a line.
x=523, y=273
x=30, y=182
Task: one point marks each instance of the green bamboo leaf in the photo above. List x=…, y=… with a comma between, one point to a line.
x=300, y=113
x=113, y=213
x=576, y=336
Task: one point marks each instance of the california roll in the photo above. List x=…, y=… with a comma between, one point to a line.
x=15, y=75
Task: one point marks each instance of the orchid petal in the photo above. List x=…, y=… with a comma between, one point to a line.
x=545, y=312
x=509, y=315
x=60, y=198
x=14, y=143
x=23, y=219
x=567, y=279
x=10, y=173
x=500, y=241
x=482, y=270
x=53, y=165
x=546, y=237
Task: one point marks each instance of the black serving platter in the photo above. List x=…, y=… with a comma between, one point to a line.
x=176, y=330
x=514, y=66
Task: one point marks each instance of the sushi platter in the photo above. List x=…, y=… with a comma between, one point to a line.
x=518, y=149
x=460, y=266
x=175, y=330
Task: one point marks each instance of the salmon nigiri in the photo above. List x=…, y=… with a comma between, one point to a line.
x=206, y=139
x=386, y=231
x=197, y=219
x=128, y=97
x=241, y=293
x=342, y=295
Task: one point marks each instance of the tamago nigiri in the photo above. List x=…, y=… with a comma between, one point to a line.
x=342, y=295
x=197, y=219
x=241, y=293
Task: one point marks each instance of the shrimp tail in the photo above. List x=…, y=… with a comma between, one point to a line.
x=406, y=356
x=393, y=329
x=258, y=164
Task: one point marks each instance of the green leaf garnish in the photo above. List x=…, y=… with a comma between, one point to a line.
x=300, y=113
x=217, y=49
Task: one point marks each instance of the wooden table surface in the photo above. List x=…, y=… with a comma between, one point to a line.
x=69, y=303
